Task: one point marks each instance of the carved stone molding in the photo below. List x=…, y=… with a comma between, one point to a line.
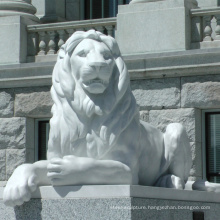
x=18, y=7
x=143, y=1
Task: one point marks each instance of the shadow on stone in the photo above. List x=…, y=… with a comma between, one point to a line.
x=29, y=210
x=63, y=191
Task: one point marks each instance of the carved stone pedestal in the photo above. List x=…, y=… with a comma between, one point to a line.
x=18, y=7
x=15, y=15
x=114, y=203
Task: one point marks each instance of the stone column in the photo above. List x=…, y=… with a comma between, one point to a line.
x=49, y=11
x=18, y=7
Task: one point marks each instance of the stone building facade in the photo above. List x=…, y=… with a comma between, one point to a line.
x=173, y=62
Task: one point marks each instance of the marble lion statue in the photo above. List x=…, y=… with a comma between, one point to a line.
x=96, y=136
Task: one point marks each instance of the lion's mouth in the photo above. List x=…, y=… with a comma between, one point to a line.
x=97, y=81
x=95, y=85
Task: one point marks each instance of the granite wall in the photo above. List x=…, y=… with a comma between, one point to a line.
x=18, y=109
x=162, y=101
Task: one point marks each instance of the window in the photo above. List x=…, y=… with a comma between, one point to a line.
x=212, y=146
x=42, y=128
x=94, y=9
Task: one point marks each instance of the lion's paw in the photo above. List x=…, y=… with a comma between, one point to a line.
x=170, y=181
x=20, y=186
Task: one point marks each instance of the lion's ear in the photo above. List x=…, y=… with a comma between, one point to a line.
x=66, y=79
x=111, y=44
x=123, y=79
x=73, y=41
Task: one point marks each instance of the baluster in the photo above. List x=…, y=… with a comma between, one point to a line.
x=61, y=38
x=80, y=29
x=32, y=44
x=51, y=44
x=109, y=29
x=196, y=31
x=89, y=28
x=207, y=28
x=70, y=32
x=217, y=28
x=100, y=29
x=42, y=44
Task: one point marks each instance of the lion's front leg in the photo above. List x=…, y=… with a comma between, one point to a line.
x=25, y=179
x=72, y=170
x=177, y=158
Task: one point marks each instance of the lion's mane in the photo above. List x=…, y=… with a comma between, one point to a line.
x=78, y=116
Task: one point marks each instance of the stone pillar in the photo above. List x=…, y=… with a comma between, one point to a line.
x=50, y=10
x=154, y=26
x=18, y=7
x=15, y=15
x=73, y=10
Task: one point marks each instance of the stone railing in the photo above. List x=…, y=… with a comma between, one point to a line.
x=46, y=39
x=205, y=32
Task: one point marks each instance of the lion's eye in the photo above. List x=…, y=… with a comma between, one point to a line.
x=106, y=56
x=82, y=54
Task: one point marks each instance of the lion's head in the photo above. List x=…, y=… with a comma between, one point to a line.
x=90, y=85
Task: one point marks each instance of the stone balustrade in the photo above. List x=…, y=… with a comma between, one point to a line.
x=46, y=39
x=205, y=28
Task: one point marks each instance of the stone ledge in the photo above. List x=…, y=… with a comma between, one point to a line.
x=163, y=72
x=113, y=203
x=140, y=66
x=122, y=191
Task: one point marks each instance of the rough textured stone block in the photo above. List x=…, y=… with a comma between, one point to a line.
x=190, y=118
x=35, y=104
x=2, y=165
x=157, y=93
x=6, y=103
x=144, y=115
x=201, y=92
x=12, y=133
x=14, y=158
x=196, y=170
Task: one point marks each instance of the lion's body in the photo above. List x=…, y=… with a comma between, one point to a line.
x=96, y=136
x=116, y=134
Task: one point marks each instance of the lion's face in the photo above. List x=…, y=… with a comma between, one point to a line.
x=90, y=89
x=92, y=62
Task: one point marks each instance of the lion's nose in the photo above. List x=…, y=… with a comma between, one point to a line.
x=96, y=61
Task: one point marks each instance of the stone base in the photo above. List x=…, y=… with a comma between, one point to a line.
x=114, y=203
x=154, y=26
x=13, y=43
